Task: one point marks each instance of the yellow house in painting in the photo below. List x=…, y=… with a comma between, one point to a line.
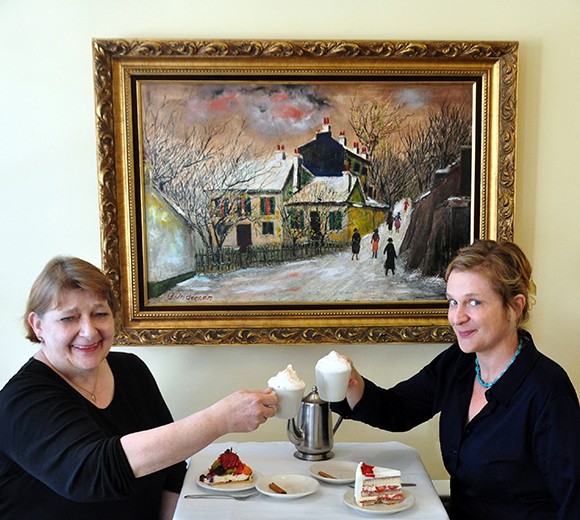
x=168, y=241
x=333, y=206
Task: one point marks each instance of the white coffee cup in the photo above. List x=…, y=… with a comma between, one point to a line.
x=332, y=377
x=289, y=400
x=289, y=388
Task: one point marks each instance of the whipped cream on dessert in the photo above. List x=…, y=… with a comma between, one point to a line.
x=286, y=379
x=375, y=485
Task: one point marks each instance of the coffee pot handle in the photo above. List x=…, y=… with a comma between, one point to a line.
x=340, y=418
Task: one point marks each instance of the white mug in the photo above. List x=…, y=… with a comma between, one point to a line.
x=332, y=383
x=288, y=402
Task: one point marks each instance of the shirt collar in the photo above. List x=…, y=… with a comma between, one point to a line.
x=508, y=384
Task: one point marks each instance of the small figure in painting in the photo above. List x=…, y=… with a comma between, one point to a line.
x=391, y=255
x=355, y=244
x=375, y=243
x=397, y=222
x=390, y=221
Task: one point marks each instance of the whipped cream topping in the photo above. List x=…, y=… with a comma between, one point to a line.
x=333, y=362
x=286, y=379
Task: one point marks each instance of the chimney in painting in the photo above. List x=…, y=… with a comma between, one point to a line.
x=349, y=177
x=280, y=153
x=296, y=167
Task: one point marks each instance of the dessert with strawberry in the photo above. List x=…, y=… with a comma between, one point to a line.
x=375, y=485
x=226, y=469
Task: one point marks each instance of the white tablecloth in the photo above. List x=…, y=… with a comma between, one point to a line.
x=271, y=458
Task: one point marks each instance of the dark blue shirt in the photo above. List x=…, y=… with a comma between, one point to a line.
x=519, y=458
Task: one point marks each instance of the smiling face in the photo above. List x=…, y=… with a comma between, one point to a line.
x=477, y=314
x=77, y=333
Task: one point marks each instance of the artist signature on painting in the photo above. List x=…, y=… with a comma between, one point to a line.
x=187, y=297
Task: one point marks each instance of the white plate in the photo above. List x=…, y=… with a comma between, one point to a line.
x=229, y=487
x=344, y=471
x=380, y=509
x=296, y=486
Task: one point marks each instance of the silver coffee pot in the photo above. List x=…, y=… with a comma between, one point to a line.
x=312, y=433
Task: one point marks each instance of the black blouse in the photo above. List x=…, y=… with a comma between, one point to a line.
x=519, y=458
x=61, y=457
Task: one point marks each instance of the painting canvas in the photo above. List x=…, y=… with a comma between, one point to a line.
x=266, y=204
x=266, y=185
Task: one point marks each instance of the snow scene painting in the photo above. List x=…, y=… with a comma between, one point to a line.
x=304, y=192
x=298, y=192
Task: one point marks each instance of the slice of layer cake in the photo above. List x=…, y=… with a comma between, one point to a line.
x=374, y=485
x=227, y=469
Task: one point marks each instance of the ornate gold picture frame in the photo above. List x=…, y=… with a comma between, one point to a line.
x=298, y=192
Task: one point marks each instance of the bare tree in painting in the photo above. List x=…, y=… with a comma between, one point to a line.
x=436, y=143
x=375, y=123
x=319, y=215
x=449, y=130
x=392, y=181
x=293, y=224
x=172, y=149
x=226, y=179
x=203, y=169
x=417, y=156
x=310, y=214
x=405, y=158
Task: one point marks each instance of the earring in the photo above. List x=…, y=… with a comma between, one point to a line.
x=40, y=339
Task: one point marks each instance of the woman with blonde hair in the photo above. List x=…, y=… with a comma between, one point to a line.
x=509, y=423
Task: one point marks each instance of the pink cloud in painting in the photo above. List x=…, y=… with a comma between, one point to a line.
x=210, y=103
x=267, y=110
x=223, y=102
x=288, y=109
x=284, y=107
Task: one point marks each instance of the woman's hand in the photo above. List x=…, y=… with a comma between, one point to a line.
x=356, y=385
x=245, y=410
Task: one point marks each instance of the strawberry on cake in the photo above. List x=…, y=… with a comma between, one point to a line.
x=374, y=485
x=227, y=469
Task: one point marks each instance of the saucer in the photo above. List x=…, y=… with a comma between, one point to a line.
x=296, y=486
x=342, y=471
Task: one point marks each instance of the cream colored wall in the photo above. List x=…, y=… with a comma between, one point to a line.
x=49, y=186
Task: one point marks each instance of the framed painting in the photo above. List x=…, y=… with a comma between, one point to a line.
x=298, y=192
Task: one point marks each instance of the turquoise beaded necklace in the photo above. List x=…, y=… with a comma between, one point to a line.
x=490, y=384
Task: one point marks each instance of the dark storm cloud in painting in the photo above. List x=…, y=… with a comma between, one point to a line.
x=290, y=114
x=268, y=110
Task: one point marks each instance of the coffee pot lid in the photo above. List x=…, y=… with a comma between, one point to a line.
x=313, y=397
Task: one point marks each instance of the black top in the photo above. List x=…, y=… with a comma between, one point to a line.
x=519, y=458
x=61, y=456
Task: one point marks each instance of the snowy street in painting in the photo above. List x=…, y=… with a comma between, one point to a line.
x=331, y=278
